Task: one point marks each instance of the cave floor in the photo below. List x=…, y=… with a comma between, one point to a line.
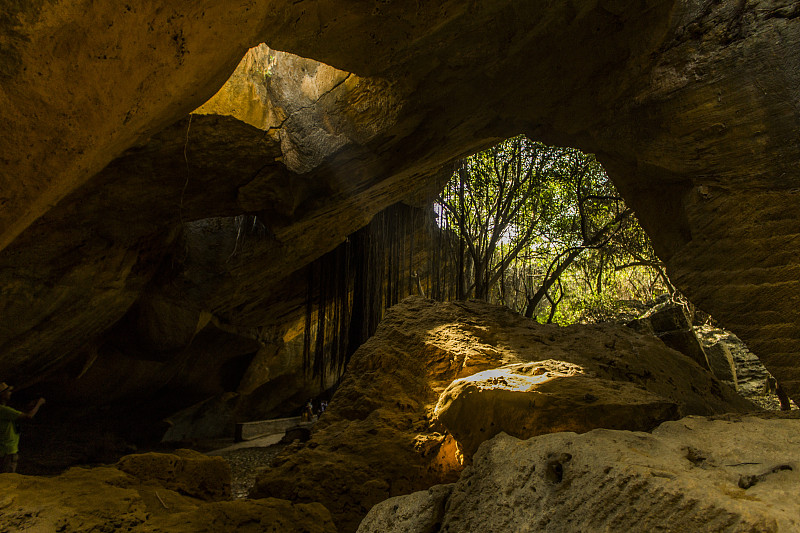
x=53, y=443
x=247, y=459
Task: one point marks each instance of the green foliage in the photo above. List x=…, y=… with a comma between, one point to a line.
x=543, y=231
x=269, y=69
x=494, y=204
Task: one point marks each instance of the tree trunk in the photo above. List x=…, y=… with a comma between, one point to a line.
x=533, y=301
x=593, y=242
x=481, y=288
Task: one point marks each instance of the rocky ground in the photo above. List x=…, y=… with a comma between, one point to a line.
x=384, y=437
x=246, y=463
x=185, y=491
x=462, y=371
x=731, y=473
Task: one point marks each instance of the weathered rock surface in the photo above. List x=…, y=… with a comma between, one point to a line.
x=671, y=324
x=751, y=377
x=721, y=362
x=187, y=472
x=695, y=474
x=416, y=512
x=594, y=376
x=525, y=400
x=379, y=437
x=375, y=440
x=690, y=105
x=109, y=499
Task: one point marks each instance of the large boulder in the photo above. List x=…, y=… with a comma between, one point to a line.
x=725, y=474
x=525, y=400
x=592, y=383
x=381, y=437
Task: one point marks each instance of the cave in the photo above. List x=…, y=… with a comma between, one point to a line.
x=172, y=173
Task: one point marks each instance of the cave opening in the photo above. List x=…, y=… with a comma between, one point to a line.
x=520, y=224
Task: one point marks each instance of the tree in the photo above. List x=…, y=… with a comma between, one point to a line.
x=591, y=215
x=526, y=214
x=494, y=201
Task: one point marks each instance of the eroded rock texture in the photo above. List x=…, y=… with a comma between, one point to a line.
x=438, y=371
x=206, y=305
x=140, y=495
x=734, y=474
x=118, y=210
x=526, y=400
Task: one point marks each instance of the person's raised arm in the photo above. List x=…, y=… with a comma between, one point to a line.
x=31, y=413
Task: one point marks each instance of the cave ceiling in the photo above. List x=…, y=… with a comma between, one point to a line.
x=117, y=205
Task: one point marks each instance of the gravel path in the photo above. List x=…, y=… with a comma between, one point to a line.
x=245, y=463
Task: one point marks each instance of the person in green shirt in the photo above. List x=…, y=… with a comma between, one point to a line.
x=9, y=434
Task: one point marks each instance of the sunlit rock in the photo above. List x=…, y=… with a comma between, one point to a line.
x=725, y=474
x=380, y=436
x=525, y=400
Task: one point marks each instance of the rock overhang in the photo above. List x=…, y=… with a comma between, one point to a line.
x=695, y=122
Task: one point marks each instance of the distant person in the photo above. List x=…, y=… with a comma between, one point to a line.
x=322, y=406
x=308, y=412
x=9, y=432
